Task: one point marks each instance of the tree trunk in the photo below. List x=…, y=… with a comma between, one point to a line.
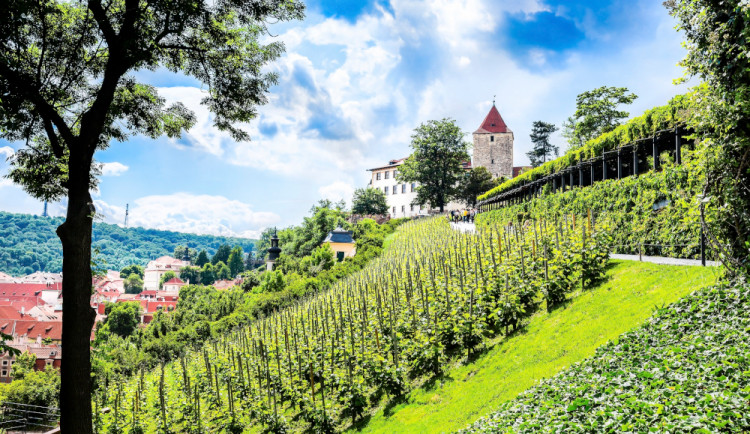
x=78, y=316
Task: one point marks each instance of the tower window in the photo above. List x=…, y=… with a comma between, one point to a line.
x=492, y=138
x=493, y=161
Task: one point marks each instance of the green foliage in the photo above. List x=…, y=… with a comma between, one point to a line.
x=408, y=313
x=23, y=365
x=222, y=254
x=133, y=284
x=540, y=132
x=655, y=119
x=202, y=259
x=208, y=274
x=691, y=357
x=123, y=318
x=179, y=253
x=235, y=262
x=166, y=277
x=29, y=243
x=438, y=151
x=132, y=269
x=717, y=35
x=369, y=201
x=190, y=274
x=271, y=281
x=628, y=207
x=477, y=181
x=596, y=114
x=40, y=388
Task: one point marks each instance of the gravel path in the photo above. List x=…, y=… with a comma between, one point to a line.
x=665, y=261
x=470, y=228
x=464, y=227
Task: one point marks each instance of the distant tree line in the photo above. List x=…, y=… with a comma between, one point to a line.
x=29, y=243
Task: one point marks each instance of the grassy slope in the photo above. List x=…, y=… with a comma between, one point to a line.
x=549, y=343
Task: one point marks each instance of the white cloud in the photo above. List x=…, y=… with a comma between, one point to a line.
x=113, y=169
x=7, y=151
x=185, y=212
x=337, y=191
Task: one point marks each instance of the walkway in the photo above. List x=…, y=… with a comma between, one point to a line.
x=665, y=261
x=464, y=227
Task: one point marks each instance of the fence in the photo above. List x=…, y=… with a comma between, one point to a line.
x=25, y=418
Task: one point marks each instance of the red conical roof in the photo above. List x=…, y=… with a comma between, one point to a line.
x=493, y=123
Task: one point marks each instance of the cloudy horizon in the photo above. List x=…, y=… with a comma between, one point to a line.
x=356, y=79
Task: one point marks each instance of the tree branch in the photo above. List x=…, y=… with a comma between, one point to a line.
x=95, y=6
x=46, y=110
x=57, y=148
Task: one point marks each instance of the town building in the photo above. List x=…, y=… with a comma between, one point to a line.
x=341, y=243
x=399, y=195
x=46, y=355
x=173, y=285
x=156, y=268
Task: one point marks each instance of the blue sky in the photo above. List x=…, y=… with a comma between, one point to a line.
x=356, y=79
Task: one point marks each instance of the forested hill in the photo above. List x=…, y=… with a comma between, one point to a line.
x=29, y=243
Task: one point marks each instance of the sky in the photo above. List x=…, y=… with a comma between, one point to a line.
x=356, y=79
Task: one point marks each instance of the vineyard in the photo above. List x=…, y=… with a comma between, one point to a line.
x=656, y=213
x=436, y=295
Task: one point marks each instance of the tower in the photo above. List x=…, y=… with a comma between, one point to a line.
x=126, y=214
x=273, y=252
x=493, y=145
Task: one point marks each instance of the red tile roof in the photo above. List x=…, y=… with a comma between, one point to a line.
x=9, y=312
x=32, y=328
x=31, y=288
x=493, y=123
x=174, y=281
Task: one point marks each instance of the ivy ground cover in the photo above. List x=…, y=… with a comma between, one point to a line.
x=551, y=341
x=686, y=370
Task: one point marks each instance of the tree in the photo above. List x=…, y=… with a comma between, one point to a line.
x=190, y=274
x=438, y=151
x=208, y=274
x=222, y=254
x=250, y=279
x=369, y=201
x=236, y=266
x=540, y=132
x=222, y=271
x=179, y=253
x=123, y=318
x=478, y=180
x=68, y=90
x=132, y=269
x=202, y=259
x=596, y=113
x=166, y=277
x=718, y=52
x=133, y=284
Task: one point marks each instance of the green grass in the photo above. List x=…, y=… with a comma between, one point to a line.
x=388, y=240
x=549, y=343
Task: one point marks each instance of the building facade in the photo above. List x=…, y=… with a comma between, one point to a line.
x=400, y=195
x=493, y=145
x=156, y=268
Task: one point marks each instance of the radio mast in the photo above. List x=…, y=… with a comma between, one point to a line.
x=126, y=214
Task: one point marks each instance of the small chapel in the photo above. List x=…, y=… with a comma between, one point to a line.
x=493, y=145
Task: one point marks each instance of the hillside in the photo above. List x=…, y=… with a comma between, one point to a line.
x=685, y=370
x=550, y=342
x=29, y=243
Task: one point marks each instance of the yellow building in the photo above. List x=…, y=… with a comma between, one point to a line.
x=342, y=243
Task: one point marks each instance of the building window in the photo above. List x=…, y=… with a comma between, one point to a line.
x=395, y=174
x=387, y=173
x=395, y=189
x=5, y=363
x=492, y=138
x=377, y=176
x=413, y=187
x=403, y=188
x=5, y=373
x=403, y=209
x=394, y=210
x=411, y=207
x=385, y=189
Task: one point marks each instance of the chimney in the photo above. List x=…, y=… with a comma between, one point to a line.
x=39, y=339
x=23, y=311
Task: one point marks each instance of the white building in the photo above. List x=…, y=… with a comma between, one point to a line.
x=156, y=268
x=401, y=195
